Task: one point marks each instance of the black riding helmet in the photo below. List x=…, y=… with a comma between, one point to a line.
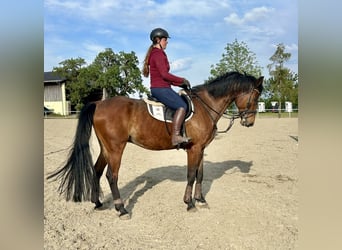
x=158, y=32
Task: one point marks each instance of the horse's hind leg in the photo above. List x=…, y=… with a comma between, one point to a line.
x=112, y=175
x=96, y=190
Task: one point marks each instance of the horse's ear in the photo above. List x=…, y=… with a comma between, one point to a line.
x=259, y=81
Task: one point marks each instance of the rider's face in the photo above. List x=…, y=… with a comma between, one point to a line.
x=163, y=42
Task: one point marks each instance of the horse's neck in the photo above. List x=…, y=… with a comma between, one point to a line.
x=215, y=107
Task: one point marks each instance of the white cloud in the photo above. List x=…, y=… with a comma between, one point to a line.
x=193, y=8
x=253, y=15
x=142, y=12
x=181, y=64
x=234, y=19
x=257, y=14
x=200, y=29
x=292, y=47
x=105, y=31
x=91, y=50
x=66, y=5
x=87, y=9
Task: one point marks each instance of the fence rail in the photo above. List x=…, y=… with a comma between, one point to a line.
x=268, y=113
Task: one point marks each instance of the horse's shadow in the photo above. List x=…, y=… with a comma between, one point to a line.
x=136, y=188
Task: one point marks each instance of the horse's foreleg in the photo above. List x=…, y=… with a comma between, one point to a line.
x=96, y=190
x=188, y=190
x=194, y=160
x=198, y=187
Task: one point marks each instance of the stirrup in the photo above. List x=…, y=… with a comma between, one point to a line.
x=182, y=140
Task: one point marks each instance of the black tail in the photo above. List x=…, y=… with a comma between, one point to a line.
x=78, y=174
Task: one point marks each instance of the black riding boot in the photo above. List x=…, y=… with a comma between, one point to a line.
x=177, y=122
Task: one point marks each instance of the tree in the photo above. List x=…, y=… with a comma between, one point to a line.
x=282, y=84
x=75, y=89
x=118, y=74
x=237, y=57
x=131, y=80
x=70, y=68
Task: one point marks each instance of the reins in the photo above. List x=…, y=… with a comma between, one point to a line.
x=232, y=118
x=207, y=107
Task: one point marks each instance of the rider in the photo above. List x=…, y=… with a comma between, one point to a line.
x=157, y=64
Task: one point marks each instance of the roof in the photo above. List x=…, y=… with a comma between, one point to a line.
x=53, y=77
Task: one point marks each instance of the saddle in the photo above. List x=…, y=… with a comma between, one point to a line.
x=165, y=114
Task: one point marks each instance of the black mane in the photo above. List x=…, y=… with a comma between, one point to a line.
x=232, y=82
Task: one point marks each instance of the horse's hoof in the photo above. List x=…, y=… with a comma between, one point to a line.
x=98, y=205
x=125, y=216
x=201, y=204
x=192, y=209
x=100, y=208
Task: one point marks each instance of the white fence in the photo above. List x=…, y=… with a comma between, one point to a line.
x=263, y=113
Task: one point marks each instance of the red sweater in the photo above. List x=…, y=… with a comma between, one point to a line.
x=159, y=70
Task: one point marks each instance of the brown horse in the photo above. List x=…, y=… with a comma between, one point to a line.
x=119, y=120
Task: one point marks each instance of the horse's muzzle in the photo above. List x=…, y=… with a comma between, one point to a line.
x=245, y=123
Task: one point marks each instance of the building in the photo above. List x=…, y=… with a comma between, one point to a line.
x=261, y=107
x=55, y=95
x=55, y=99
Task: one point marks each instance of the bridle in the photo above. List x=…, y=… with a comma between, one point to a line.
x=247, y=112
x=244, y=114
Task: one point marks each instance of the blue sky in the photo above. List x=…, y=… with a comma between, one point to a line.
x=199, y=30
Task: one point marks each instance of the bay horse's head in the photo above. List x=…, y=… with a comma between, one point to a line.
x=243, y=89
x=247, y=102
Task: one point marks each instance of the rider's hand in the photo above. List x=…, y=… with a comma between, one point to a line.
x=185, y=84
